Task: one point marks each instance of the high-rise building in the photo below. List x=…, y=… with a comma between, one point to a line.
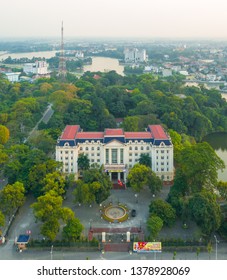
x=116, y=150
x=135, y=55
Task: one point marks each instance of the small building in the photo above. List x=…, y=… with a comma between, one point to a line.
x=38, y=68
x=22, y=241
x=13, y=76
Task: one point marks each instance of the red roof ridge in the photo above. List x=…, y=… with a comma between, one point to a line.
x=158, y=132
x=70, y=132
x=114, y=132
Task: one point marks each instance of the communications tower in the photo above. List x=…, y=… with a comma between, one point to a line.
x=62, y=63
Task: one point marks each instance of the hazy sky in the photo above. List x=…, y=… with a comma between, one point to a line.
x=114, y=18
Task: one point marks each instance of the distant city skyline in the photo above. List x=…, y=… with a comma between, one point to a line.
x=114, y=18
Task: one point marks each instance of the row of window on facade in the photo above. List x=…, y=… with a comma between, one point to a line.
x=130, y=148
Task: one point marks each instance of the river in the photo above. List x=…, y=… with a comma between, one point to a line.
x=218, y=141
x=46, y=54
x=102, y=64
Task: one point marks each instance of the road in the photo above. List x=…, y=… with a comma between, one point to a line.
x=45, y=118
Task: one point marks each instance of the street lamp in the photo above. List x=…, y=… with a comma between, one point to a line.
x=216, y=247
x=51, y=252
x=136, y=197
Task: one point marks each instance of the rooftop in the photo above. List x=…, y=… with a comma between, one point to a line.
x=158, y=132
x=70, y=132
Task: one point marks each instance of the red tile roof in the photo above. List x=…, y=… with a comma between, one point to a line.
x=90, y=135
x=137, y=135
x=70, y=132
x=158, y=132
x=114, y=132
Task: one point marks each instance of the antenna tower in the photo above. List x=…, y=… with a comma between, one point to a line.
x=62, y=63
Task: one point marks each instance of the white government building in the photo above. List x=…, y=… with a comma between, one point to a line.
x=116, y=150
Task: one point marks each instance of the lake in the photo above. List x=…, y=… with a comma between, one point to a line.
x=218, y=141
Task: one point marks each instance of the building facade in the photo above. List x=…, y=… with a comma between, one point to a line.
x=135, y=55
x=38, y=68
x=116, y=150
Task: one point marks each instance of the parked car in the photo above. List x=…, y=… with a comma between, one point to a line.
x=133, y=212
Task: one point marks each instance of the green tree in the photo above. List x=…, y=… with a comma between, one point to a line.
x=48, y=206
x=154, y=226
x=163, y=210
x=12, y=197
x=145, y=159
x=138, y=177
x=99, y=183
x=83, y=162
x=54, y=181
x=2, y=220
x=154, y=182
x=83, y=193
x=48, y=209
x=205, y=211
x=4, y=134
x=199, y=164
x=222, y=189
x=72, y=230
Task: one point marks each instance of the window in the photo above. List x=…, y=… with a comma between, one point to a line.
x=130, y=148
x=92, y=160
x=162, y=163
x=66, y=152
x=114, y=156
x=92, y=148
x=98, y=160
x=121, y=156
x=156, y=151
x=107, y=156
x=71, y=152
x=156, y=169
x=66, y=170
x=147, y=147
x=162, y=157
x=98, y=154
x=66, y=164
x=136, y=148
x=86, y=148
x=162, y=151
x=130, y=160
x=167, y=169
x=130, y=154
x=92, y=154
x=167, y=151
x=71, y=164
x=141, y=148
x=136, y=154
x=66, y=158
x=71, y=157
x=98, y=148
x=156, y=157
x=61, y=152
x=71, y=169
x=162, y=169
x=81, y=148
x=61, y=158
